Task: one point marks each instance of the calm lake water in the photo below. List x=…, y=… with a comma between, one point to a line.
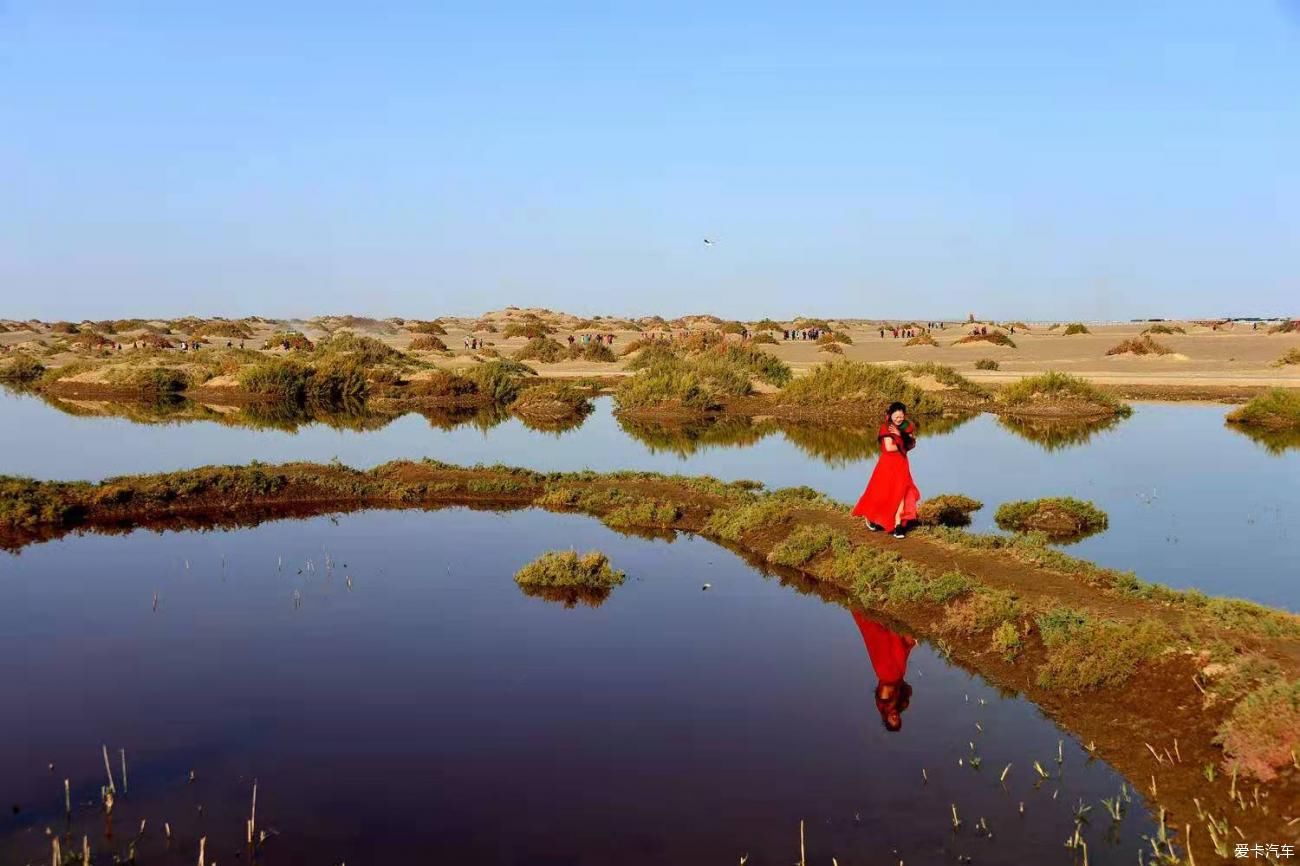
x=1192, y=503
x=432, y=712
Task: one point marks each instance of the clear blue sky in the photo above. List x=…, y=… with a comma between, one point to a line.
x=1035, y=159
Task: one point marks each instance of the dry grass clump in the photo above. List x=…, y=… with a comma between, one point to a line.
x=597, y=352
x=642, y=514
x=801, y=545
x=428, y=343
x=499, y=378
x=432, y=328
x=1275, y=409
x=948, y=509
x=541, y=348
x=1075, y=328
x=680, y=383
x=1263, y=731
x=835, y=337
x=922, y=339
x=22, y=368
x=984, y=609
x=442, y=384
x=293, y=341
x=292, y=381
x=552, y=406
x=857, y=381
x=996, y=338
x=763, y=337
x=1057, y=517
x=1059, y=394
x=948, y=377
x=565, y=568
x=1165, y=329
x=987, y=364
x=1290, y=326
x=1085, y=653
x=1290, y=358
x=696, y=381
x=64, y=328
x=831, y=348
x=363, y=350
x=531, y=329
x=234, y=330
x=733, y=328
x=764, y=325
x=1143, y=345
x=158, y=380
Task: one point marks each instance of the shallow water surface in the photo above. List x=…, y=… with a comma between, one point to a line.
x=397, y=697
x=1192, y=503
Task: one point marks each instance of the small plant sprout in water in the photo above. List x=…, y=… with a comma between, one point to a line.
x=956, y=822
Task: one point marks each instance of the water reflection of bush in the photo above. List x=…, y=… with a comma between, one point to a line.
x=1275, y=442
x=1057, y=435
x=835, y=446
x=569, y=596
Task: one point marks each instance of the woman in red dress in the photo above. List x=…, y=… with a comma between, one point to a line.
x=888, y=651
x=889, y=502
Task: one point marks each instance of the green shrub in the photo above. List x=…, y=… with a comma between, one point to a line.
x=365, y=350
x=279, y=379
x=650, y=513
x=948, y=377
x=428, y=343
x=948, y=509
x=910, y=584
x=22, y=368
x=997, y=338
x=1143, y=345
x=532, y=330
x=1075, y=328
x=1006, y=640
x=1164, y=329
x=1275, y=409
x=802, y=545
x=1084, y=653
x=1057, y=516
x=597, y=352
x=499, y=378
x=1058, y=387
x=839, y=381
x=987, y=364
x=293, y=340
x=431, y=328
x=1289, y=359
x=567, y=569
x=159, y=380
x=543, y=349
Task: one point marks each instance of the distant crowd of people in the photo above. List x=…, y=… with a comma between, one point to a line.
x=803, y=334
x=588, y=339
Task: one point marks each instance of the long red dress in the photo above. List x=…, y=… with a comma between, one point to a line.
x=891, y=483
x=888, y=649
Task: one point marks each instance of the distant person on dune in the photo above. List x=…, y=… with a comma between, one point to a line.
x=889, y=502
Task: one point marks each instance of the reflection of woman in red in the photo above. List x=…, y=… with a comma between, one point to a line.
x=889, y=502
x=888, y=651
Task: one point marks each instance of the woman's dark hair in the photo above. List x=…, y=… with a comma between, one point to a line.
x=894, y=407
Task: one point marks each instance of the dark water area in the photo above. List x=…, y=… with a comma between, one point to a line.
x=398, y=698
x=1192, y=503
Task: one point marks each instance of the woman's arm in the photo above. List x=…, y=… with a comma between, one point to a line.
x=891, y=444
